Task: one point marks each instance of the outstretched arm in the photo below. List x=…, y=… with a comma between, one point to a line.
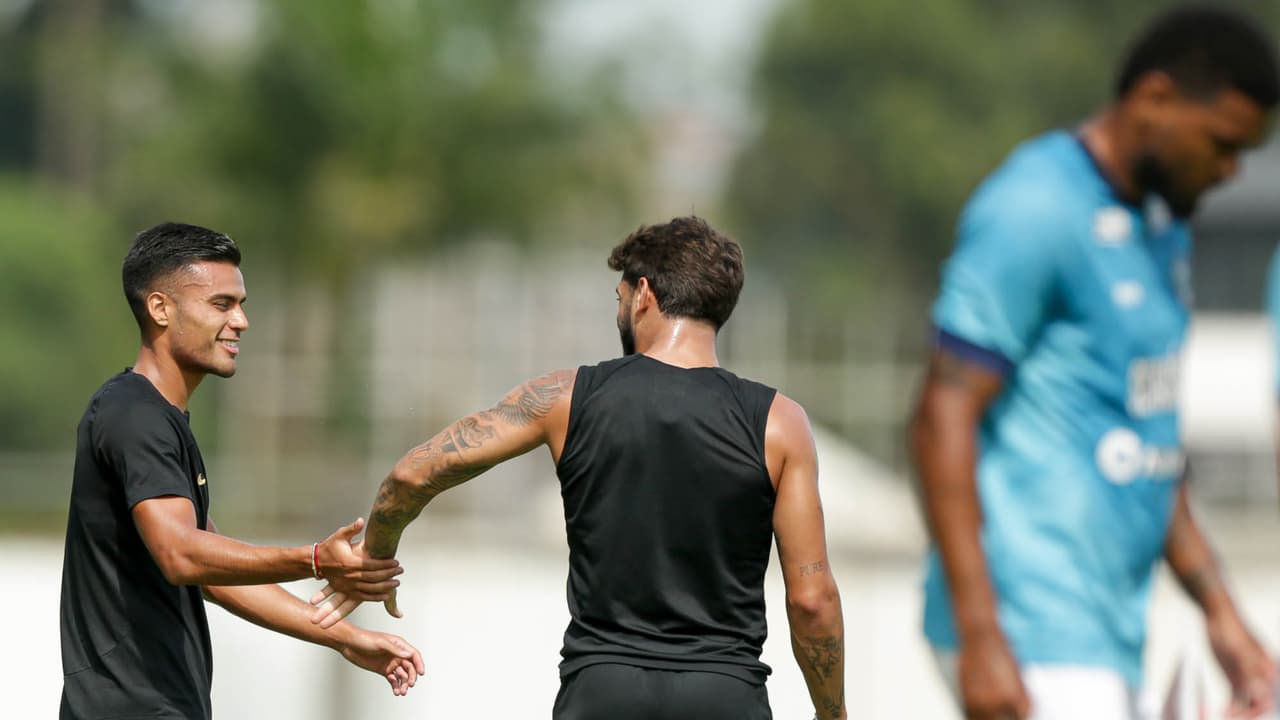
x=526, y=418
x=813, y=600
x=533, y=414
x=1246, y=664
x=188, y=555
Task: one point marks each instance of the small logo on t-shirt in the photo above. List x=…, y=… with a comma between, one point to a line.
x=200, y=479
x=1112, y=226
x=1127, y=294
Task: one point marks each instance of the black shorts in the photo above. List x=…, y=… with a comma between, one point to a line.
x=611, y=691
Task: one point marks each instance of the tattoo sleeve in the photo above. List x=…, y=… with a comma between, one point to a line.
x=461, y=451
x=822, y=663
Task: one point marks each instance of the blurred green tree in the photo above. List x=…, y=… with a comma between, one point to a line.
x=66, y=325
x=323, y=142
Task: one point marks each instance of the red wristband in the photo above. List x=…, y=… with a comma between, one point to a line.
x=315, y=561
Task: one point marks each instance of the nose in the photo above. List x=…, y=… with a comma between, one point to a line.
x=238, y=320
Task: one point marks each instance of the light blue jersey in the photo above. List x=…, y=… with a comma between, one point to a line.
x=1082, y=301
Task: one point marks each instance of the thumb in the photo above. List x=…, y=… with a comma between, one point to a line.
x=390, y=604
x=346, y=532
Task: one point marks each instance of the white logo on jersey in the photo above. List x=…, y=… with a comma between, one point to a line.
x=1127, y=294
x=1122, y=458
x=1112, y=226
x=1153, y=385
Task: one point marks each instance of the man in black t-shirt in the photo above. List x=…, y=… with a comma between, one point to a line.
x=142, y=553
x=676, y=476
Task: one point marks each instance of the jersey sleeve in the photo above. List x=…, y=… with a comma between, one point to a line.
x=141, y=446
x=1000, y=281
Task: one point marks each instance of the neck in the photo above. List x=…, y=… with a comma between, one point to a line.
x=1114, y=147
x=683, y=342
x=159, y=367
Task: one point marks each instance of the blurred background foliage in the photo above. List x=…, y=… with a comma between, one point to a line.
x=382, y=131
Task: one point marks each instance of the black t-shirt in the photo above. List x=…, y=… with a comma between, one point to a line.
x=669, y=510
x=133, y=645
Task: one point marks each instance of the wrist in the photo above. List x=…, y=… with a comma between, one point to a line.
x=340, y=636
x=314, y=556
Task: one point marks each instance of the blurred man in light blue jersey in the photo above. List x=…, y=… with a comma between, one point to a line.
x=1046, y=436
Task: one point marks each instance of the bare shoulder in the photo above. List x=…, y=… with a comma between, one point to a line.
x=788, y=437
x=537, y=398
x=788, y=420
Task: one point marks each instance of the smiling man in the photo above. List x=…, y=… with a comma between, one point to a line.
x=142, y=553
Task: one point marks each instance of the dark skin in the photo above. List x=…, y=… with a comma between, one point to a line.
x=1193, y=144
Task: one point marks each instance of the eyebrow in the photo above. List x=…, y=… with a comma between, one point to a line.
x=242, y=299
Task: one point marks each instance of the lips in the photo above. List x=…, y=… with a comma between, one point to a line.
x=232, y=346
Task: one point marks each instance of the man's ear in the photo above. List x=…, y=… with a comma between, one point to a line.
x=643, y=296
x=158, y=308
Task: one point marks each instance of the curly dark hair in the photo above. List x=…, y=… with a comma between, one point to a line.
x=1206, y=49
x=694, y=270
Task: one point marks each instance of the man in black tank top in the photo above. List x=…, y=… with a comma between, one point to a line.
x=676, y=476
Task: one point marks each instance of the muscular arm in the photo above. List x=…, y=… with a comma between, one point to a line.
x=188, y=555
x=944, y=444
x=533, y=414
x=813, y=600
x=270, y=606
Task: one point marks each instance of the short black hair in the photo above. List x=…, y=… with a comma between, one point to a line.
x=694, y=270
x=1205, y=50
x=164, y=249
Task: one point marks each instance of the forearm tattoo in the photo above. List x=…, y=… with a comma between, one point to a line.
x=813, y=568
x=822, y=658
x=454, y=456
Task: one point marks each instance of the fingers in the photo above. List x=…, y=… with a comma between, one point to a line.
x=337, y=614
x=406, y=652
x=346, y=532
x=326, y=605
x=321, y=594
x=382, y=575
x=392, y=608
x=402, y=675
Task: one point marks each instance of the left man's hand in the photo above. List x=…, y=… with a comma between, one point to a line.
x=387, y=655
x=1248, y=667
x=332, y=604
x=351, y=571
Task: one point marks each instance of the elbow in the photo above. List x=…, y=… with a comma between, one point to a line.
x=404, y=477
x=176, y=567
x=815, y=607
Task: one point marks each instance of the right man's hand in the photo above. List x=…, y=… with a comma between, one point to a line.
x=353, y=573
x=990, y=683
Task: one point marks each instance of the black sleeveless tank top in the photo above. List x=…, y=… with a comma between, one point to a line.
x=669, y=513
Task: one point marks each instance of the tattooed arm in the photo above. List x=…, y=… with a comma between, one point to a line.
x=944, y=447
x=813, y=600
x=533, y=414
x=1246, y=664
